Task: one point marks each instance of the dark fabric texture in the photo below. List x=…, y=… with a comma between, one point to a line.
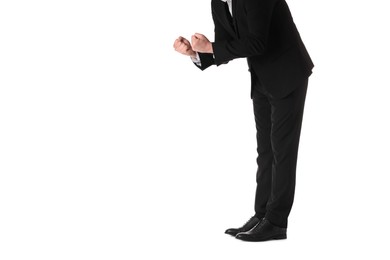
x=278, y=128
x=263, y=31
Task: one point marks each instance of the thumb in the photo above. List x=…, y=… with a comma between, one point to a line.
x=185, y=41
x=199, y=36
x=193, y=38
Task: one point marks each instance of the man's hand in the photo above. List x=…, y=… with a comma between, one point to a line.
x=201, y=44
x=183, y=46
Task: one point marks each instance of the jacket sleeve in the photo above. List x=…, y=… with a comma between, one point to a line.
x=220, y=34
x=259, y=14
x=206, y=60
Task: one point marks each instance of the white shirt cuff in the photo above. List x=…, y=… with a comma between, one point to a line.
x=196, y=60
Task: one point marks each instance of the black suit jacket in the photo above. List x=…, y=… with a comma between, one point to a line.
x=264, y=32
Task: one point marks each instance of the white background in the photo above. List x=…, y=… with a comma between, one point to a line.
x=113, y=146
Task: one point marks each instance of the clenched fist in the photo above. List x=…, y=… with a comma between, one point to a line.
x=183, y=46
x=201, y=44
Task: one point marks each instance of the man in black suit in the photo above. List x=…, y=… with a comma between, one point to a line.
x=263, y=31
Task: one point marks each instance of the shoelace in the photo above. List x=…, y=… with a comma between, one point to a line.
x=259, y=225
x=249, y=221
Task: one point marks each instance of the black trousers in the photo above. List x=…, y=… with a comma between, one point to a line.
x=278, y=126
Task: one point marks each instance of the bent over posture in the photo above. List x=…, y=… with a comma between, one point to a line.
x=263, y=31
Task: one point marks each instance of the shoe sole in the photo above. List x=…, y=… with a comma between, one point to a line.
x=233, y=235
x=253, y=239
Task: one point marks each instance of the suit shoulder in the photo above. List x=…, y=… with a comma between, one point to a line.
x=216, y=4
x=261, y=3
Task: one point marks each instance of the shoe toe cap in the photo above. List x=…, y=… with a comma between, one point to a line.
x=231, y=231
x=242, y=236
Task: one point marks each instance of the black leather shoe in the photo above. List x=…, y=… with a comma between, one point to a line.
x=253, y=221
x=263, y=231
